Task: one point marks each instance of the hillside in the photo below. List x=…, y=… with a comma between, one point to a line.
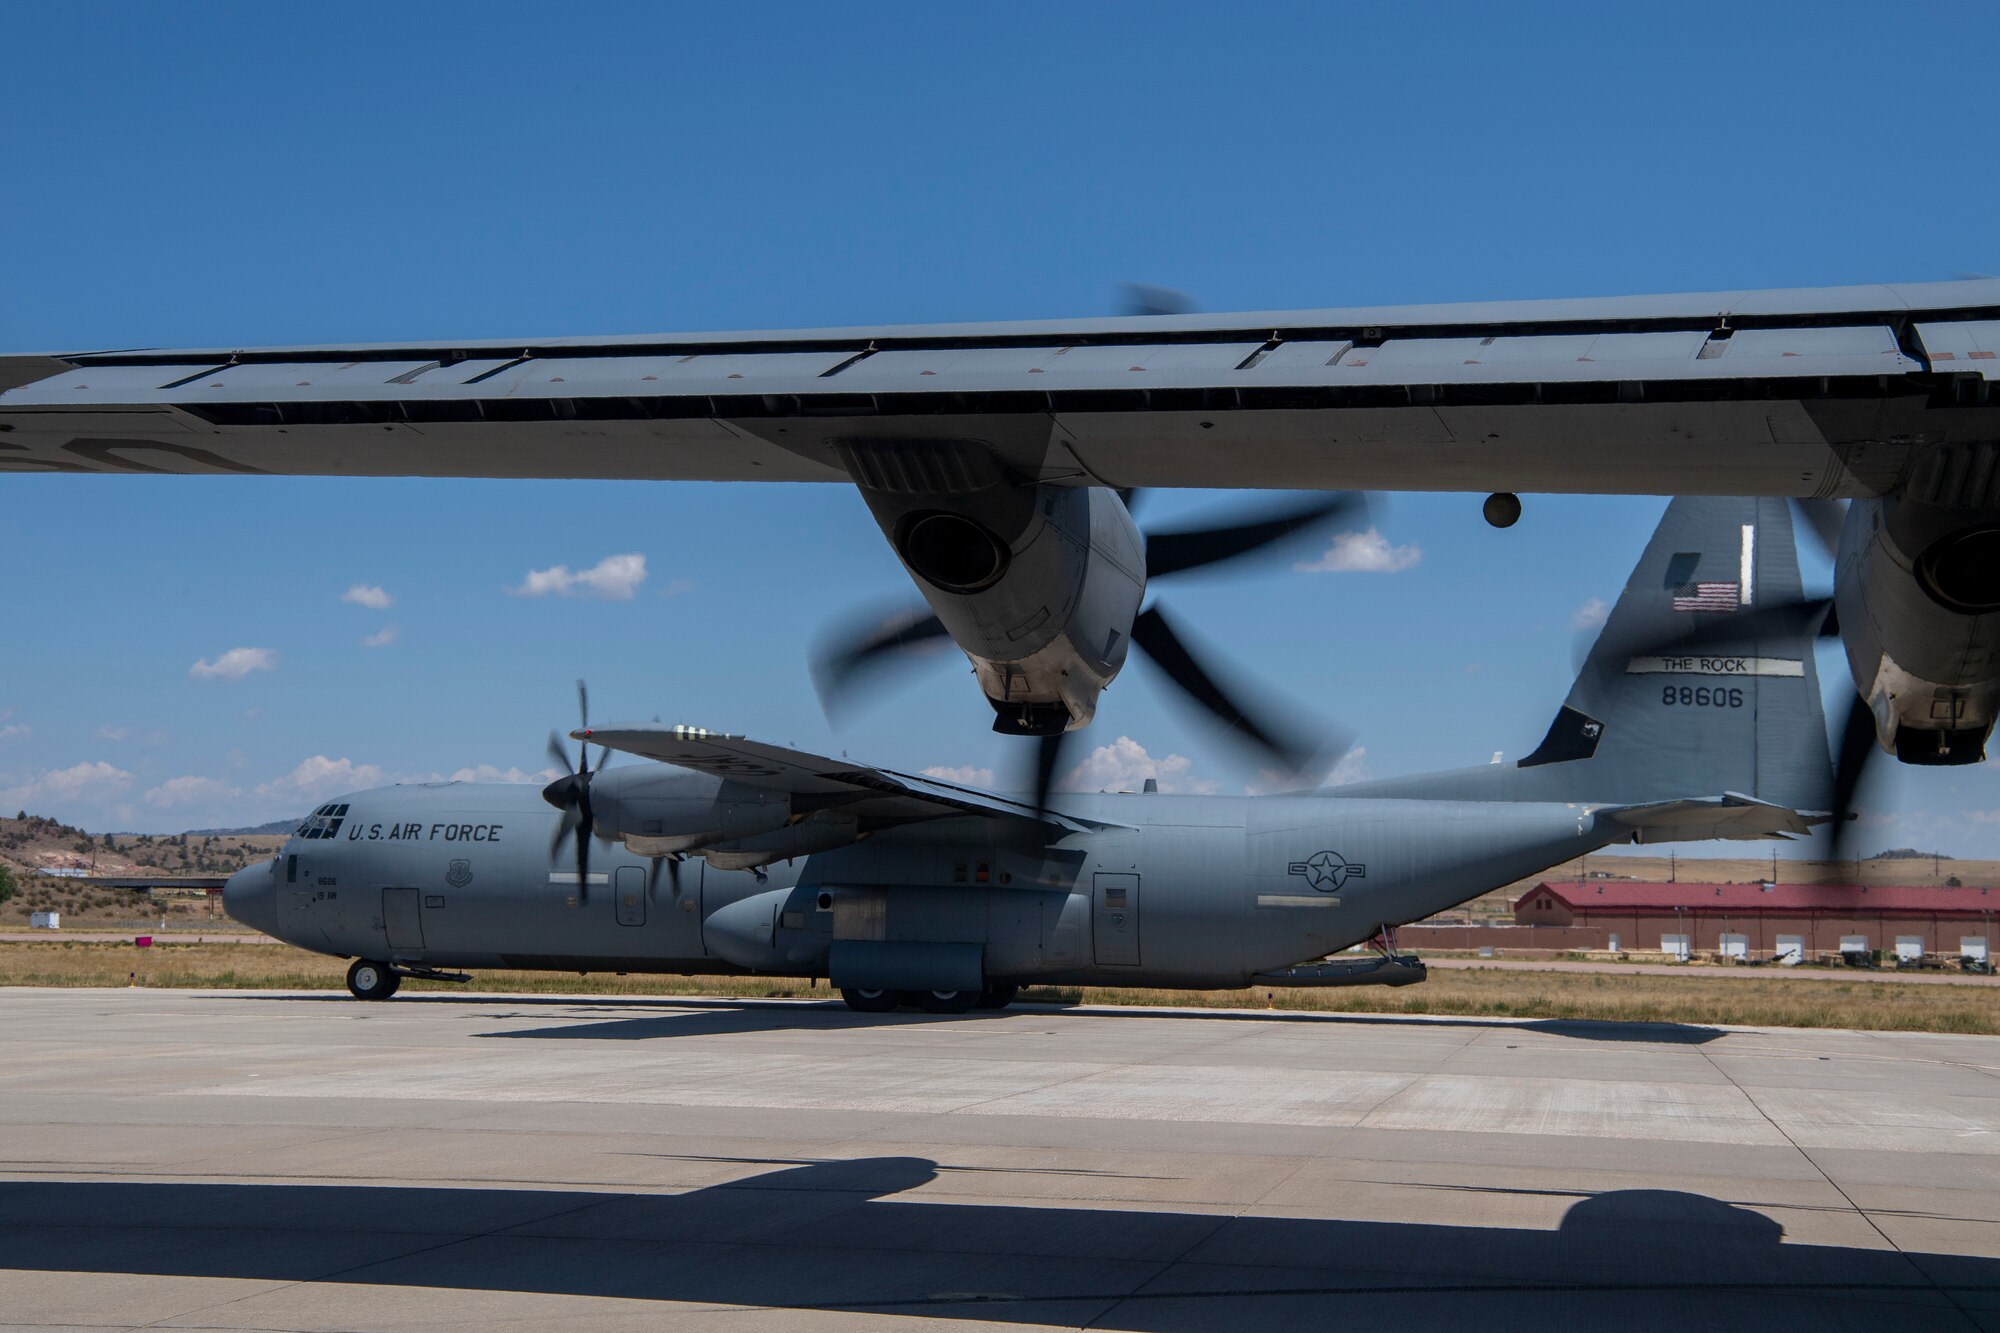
x=33, y=843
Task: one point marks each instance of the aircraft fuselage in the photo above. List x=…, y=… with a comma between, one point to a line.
x=1192, y=891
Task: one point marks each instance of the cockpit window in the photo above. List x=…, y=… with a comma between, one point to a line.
x=323, y=822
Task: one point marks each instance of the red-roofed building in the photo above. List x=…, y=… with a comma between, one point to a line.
x=1769, y=920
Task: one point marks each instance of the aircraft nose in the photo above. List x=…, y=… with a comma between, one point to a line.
x=251, y=896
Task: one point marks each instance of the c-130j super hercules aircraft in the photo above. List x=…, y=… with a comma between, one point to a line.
x=996, y=457
x=739, y=857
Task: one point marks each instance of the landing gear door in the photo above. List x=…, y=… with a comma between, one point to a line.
x=1114, y=925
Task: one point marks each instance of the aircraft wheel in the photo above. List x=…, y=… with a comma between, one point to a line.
x=946, y=1001
x=871, y=1001
x=369, y=980
x=997, y=997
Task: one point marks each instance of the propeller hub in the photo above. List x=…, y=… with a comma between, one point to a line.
x=563, y=793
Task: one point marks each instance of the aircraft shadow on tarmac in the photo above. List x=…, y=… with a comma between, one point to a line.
x=833, y=1236
x=710, y=1020
x=676, y=1016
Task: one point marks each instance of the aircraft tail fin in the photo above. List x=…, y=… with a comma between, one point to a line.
x=1740, y=714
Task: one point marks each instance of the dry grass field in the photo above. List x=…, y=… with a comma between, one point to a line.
x=1883, y=1005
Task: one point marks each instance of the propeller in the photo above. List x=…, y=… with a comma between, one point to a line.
x=673, y=864
x=571, y=795
x=1823, y=519
x=1141, y=298
x=850, y=660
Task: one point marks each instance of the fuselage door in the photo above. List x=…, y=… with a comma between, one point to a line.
x=403, y=918
x=629, y=889
x=1114, y=926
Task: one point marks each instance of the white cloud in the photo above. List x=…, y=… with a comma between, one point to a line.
x=1592, y=614
x=107, y=732
x=383, y=637
x=13, y=729
x=677, y=587
x=189, y=790
x=320, y=777
x=1363, y=553
x=491, y=773
x=370, y=595
x=1124, y=765
x=964, y=774
x=235, y=664
x=87, y=780
x=614, y=578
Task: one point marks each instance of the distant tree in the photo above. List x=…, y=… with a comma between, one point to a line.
x=8, y=888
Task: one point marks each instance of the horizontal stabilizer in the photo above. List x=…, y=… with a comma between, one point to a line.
x=1730, y=816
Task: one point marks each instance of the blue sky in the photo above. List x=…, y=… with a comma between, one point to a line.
x=239, y=174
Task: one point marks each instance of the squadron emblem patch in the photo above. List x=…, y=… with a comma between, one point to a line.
x=458, y=874
x=1327, y=871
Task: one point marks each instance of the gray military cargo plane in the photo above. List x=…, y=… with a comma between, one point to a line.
x=737, y=857
x=994, y=457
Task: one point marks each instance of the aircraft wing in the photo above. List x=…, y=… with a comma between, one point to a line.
x=871, y=791
x=1730, y=816
x=1823, y=391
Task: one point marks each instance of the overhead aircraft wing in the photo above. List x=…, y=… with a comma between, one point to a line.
x=872, y=791
x=1821, y=391
x=1729, y=816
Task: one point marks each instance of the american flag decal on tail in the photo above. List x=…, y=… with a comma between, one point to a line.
x=1709, y=597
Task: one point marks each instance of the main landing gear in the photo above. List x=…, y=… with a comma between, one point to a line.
x=864, y=1001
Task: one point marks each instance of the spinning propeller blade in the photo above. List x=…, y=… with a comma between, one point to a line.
x=1290, y=743
x=848, y=660
x=1182, y=550
x=571, y=795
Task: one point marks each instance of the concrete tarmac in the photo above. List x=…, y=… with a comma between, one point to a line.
x=246, y=1160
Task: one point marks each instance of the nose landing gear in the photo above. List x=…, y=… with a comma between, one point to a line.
x=370, y=980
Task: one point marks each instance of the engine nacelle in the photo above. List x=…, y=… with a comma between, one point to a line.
x=1918, y=598
x=1038, y=584
x=821, y=831
x=657, y=809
